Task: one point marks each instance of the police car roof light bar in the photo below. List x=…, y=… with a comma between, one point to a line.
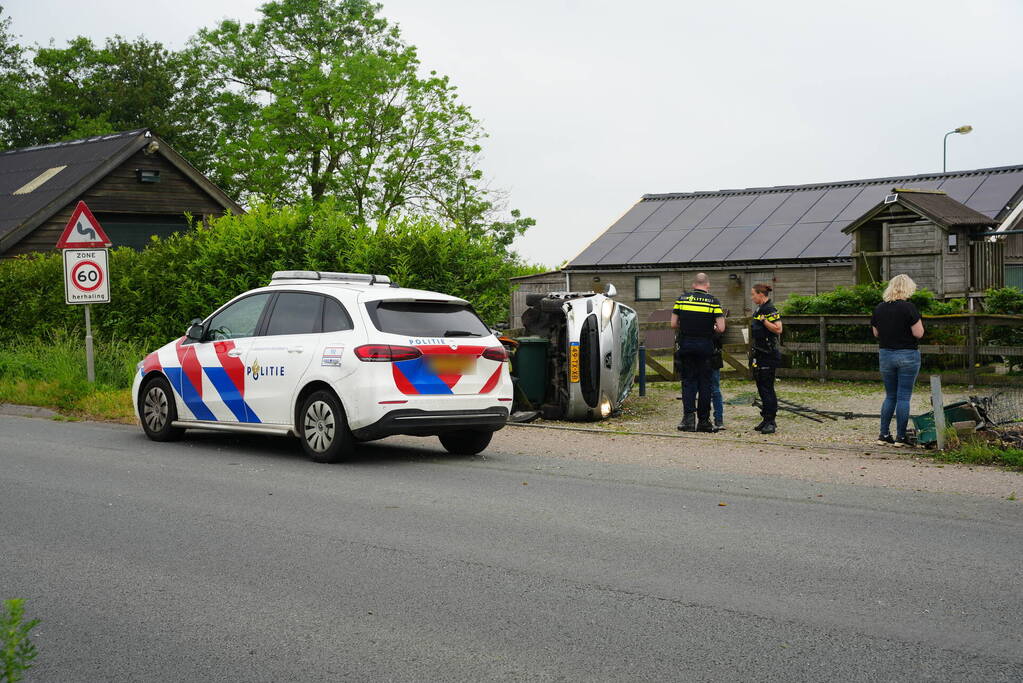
x=360, y=278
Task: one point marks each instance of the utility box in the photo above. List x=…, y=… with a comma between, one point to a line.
x=529, y=366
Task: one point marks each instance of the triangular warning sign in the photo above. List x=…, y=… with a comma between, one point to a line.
x=83, y=231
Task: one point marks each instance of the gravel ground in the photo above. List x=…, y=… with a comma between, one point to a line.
x=841, y=451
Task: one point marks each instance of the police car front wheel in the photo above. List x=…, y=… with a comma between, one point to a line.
x=158, y=412
x=323, y=428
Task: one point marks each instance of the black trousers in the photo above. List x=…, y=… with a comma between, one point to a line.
x=765, y=387
x=695, y=354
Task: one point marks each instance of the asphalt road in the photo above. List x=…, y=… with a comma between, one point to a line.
x=236, y=559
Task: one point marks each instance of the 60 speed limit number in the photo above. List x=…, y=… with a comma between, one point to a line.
x=86, y=276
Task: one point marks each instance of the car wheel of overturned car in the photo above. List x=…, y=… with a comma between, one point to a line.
x=157, y=410
x=323, y=428
x=465, y=442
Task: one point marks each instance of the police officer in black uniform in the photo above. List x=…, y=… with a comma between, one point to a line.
x=695, y=318
x=765, y=355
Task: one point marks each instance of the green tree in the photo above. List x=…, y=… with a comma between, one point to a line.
x=82, y=90
x=14, y=77
x=339, y=108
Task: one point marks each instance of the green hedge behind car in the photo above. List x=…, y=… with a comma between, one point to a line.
x=156, y=292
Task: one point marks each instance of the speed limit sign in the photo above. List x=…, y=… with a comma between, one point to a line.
x=86, y=276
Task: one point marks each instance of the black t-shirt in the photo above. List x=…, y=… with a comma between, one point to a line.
x=893, y=320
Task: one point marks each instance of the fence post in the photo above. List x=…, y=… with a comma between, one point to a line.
x=642, y=371
x=822, y=354
x=971, y=349
x=938, y=403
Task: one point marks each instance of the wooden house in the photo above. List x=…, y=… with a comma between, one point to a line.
x=930, y=237
x=133, y=182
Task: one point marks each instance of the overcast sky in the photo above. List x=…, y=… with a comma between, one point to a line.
x=589, y=105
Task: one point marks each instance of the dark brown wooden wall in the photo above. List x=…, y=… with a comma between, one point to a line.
x=120, y=192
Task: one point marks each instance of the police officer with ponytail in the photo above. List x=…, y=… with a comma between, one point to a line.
x=765, y=354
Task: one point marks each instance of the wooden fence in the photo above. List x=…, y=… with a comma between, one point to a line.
x=973, y=350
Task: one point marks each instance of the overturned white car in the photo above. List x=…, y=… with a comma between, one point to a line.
x=591, y=356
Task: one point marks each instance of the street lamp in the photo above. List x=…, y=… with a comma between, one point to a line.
x=962, y=130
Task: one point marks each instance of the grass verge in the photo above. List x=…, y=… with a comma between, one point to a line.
x=982, y=453
x=51, y=374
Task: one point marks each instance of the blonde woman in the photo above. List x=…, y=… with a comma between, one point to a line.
x=897, y=326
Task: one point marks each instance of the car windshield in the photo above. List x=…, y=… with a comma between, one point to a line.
x=426, y=319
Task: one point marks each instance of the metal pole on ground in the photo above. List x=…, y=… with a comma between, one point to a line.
x=938, y=404
x=90, y=368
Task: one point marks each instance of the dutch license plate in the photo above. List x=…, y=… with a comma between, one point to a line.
x=573, y=362
x=452, y=365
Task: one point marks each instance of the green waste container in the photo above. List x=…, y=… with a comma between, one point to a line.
x=954, y=412
x=529, y=366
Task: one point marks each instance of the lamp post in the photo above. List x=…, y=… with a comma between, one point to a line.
x=962, y=130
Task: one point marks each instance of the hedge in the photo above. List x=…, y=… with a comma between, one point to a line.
x=862, y=299
x=156, y=292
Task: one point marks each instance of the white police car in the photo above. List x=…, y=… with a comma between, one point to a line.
x=332, y=358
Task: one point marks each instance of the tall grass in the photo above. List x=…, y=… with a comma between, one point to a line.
x=52, y=373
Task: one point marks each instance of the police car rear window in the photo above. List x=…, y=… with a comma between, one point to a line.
x=426, y=319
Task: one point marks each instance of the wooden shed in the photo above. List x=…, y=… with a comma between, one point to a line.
x=930, y=237
x=134, y=183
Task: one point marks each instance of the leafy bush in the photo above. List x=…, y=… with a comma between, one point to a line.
x=1004, y=301
x=154, y=293
x=861, y=300
x=16, y=649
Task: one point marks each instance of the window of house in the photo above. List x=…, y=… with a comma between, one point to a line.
x=648, y=288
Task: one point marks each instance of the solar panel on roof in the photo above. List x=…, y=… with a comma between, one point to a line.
x=794, y=240
x=867, y=199
x=918, y=184
x=634, y=216
x=761, y=208
x=695, y=212
x=828, y=207
x=690, y=246
x=831, y=243
x=721, y=246
x=759, y=242
x=659, y=246
x=600, y=247
x=995, y=192
x=665, y=214
x=794, y=207
x=725, y=212
x=961, y=188
x=628, y=247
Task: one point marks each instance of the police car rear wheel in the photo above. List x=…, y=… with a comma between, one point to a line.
x=324, y=429
x=465, y=442
x=156, y=406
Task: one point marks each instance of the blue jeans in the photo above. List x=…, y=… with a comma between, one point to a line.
x=715, y=396
x=899, y=368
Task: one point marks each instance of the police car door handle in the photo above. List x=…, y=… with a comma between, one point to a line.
x=296, y=349
x=234, y=353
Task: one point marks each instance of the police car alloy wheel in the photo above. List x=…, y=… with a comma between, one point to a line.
x=156, y=407
x=324, y=430
x=465, y=442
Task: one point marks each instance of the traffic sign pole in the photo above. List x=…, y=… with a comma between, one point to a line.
x=86, y=274
x=90, y=368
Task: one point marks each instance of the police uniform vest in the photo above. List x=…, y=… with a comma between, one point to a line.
x=697, y=311
x=765, y=342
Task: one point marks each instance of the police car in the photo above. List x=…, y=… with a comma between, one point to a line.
x=332, y=358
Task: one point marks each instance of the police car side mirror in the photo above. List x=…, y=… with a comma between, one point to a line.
x=195, y=330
